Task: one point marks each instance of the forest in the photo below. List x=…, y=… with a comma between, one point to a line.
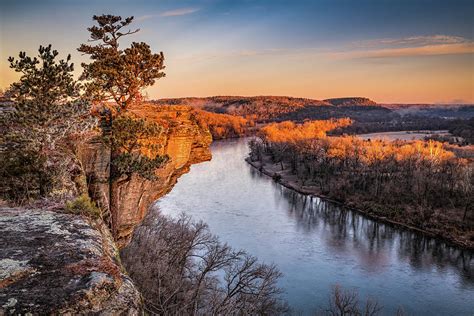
x=222, y=125
x=418, y=183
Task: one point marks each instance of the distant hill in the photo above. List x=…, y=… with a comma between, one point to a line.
x=448, y=111
x=263, y=109
x=351, y=101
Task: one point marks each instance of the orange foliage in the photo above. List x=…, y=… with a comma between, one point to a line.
x=377, y=150
x=351, y=147
x=290, y=132
x=223, y=125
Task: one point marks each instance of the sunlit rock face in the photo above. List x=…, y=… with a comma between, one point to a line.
x=53, y=263
x=183, y=140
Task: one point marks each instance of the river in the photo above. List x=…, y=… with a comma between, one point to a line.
x=316, y=244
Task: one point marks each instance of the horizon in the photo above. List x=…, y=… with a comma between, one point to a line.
x=418, y=52
x=298, y=97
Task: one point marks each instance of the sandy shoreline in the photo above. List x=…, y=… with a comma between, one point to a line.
x=289, y=182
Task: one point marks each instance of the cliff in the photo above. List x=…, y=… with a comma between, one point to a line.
x=57, y=263
x=54, y=263
x=125, y=201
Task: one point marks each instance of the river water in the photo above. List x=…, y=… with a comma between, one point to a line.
x=317, y=245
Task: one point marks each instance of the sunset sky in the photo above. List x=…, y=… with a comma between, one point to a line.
x=405, y=51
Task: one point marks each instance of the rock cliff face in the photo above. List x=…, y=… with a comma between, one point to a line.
x=184, y=141
x=53, y=263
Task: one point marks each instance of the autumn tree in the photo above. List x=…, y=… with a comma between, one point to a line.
x=114, y=74
x=45, y=111
x=222, y=125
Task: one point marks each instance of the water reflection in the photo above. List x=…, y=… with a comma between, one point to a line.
x=317, y=244
x=348, y=231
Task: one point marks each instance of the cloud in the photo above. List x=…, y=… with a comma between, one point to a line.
x=145, y=17
x=412, y=41
x=407, y=47
x=178, y=12
x=377, y=50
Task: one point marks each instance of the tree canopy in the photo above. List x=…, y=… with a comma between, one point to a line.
x=118, y=75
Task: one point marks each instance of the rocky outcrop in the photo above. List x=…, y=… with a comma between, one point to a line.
x=128, y=199
x=53, y=263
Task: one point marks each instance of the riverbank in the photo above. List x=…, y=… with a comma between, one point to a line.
x=282, y=175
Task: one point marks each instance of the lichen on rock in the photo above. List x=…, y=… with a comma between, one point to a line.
x=60, y=263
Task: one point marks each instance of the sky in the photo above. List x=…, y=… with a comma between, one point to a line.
x=392, y=51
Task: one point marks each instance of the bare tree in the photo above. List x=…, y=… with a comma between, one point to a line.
x=181, y=268
x=346, y=303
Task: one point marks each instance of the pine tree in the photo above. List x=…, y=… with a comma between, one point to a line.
x=46, y=109
x=118, y=75
x=46, y=104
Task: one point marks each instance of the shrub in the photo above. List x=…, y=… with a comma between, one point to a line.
x=84, y=206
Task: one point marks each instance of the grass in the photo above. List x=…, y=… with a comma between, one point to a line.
x=83, y=205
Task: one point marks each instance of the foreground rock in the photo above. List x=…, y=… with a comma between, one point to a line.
x=53, y=263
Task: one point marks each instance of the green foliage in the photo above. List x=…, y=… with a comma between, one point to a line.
x=21, y=172
x=44, y=79
x=114, y=74
x=127, y=132
x=83, y=205
x=45, y=108
x=45, y=111
x=129, y=163
x=129, y=136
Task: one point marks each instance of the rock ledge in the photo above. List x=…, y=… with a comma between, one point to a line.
x=54, y=263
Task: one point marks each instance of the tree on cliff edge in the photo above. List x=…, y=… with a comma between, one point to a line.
x=114, y=74
x=45, y=112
